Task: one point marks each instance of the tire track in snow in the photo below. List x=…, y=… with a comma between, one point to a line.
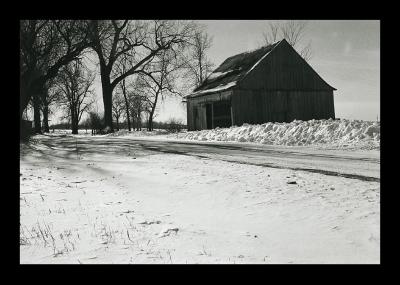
x=313, y=170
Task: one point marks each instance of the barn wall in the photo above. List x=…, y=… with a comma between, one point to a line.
x=284, y=69
x=261, y=106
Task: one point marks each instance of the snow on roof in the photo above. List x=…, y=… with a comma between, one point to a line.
x=215, y=75
x=232, y=70
x=216, y=89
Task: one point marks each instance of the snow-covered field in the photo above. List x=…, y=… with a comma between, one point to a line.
x=107, y=199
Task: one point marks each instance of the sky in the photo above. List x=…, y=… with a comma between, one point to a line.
x=346, y=54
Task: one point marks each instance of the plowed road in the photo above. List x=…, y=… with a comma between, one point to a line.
x=362, y=165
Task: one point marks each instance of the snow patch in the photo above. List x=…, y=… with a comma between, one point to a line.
x=216, y=89
x=215, y=75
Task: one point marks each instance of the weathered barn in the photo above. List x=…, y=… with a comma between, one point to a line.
x=271, y=84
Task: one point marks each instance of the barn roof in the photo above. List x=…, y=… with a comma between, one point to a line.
x=232, y=70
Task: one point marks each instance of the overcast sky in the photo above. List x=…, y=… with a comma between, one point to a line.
x=346, y=54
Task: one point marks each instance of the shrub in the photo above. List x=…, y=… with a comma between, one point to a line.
x=174, y=125
x=95, y=123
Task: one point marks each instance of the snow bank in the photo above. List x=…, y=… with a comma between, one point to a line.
x=338, y=133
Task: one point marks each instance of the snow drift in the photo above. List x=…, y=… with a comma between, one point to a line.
x=339, y=133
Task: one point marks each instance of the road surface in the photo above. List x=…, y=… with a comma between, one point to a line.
x=362, y=165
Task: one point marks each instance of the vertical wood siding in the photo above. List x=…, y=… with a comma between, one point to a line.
x=261, y=106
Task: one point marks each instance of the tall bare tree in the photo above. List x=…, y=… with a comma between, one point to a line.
x=51, y=95
x=124, y=93
x=75, y=82
x=124, y=86
x=140, y=40
x=160, y=81
x=46, y=46
x=198, y=66
x=134, y=98
x=137, y=107
x=293, y=32
x=137, y=101
x=118, y=107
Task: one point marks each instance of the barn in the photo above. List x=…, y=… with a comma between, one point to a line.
x=271, y=84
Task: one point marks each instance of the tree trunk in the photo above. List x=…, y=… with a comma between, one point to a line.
x=24, y=100
x=153, y=108
x=128, y=118
x=133, y=121
x=107, y=100
x=26, y=91
x=74, y=125
x=126, y=105
x=36, y=114
x=74, y=121
x=46, y=119
x=150, y=127
x=117, y=123
x=138, y=120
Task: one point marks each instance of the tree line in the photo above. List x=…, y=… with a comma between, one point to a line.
x=140, y=63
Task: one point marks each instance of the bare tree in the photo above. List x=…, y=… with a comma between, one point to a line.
x=271, y=35
x=46, y=46
x=307, y=52
x=74, y=83
x=137, y=108
x=160, y=81
x=123, y=87
x=133, y=96
x=51, y=95
x=137, y=105
x=137, y=102
x=118, y=107
x=140, y=40
x=198, y=66
x=293, y=32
